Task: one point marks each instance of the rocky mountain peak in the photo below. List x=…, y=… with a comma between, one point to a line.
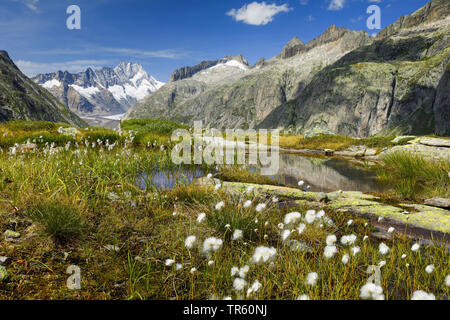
x=188, y=72
x=292, y=48
x=433, y=11
x=239, y=58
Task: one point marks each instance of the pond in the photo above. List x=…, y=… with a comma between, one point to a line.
x=319, y=174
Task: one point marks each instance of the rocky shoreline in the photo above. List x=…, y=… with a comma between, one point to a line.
x=430, y=148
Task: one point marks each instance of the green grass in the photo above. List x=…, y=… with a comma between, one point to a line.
x=61, y=221
x=413, y=176
x=70, y=206
x=336, y=142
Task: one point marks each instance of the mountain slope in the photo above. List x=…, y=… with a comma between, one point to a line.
x=400, y=83
x=344, y=81
x=103, y=92
x=21, y=98
x=233, y=95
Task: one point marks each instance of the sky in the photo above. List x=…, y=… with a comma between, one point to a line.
x=164, y=35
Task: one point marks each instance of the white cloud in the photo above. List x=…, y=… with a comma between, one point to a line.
x=257, y=14
x=336, y=5
x=32, y=5
x=33, y=68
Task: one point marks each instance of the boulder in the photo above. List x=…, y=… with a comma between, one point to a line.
x=435, y=142
x=438, y=202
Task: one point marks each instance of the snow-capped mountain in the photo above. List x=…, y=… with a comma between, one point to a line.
x=103, y=92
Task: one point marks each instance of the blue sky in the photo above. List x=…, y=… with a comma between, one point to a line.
x=164, y=35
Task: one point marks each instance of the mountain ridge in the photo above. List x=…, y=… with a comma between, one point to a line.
x=101, y=92
x=22, y=99
x=342, y=81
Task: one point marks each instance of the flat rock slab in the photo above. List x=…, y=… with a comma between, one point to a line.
x=429, y=152
x=419, y=221
x=435, y=142
x=438, y=202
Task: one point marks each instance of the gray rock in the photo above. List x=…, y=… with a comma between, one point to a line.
x=9, y=234
x=438, y=202
x=428, y=152
x=317, y=131
x=435, y=142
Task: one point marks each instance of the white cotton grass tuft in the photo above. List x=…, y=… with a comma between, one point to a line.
x=280, y=226
x=404, y=256
x=348, y=240
x=190, y=241
x=254, y=288
x=345, y=258
x=301, y=228
x=429, y=269
x=239, y=284
x=331, y=240
x=303, y=297
x=210, y=263
x=447, y=280
x=355, y=250
x=391, y=230
x=179, y=266
x=311, y=279
x=193, y=270
x=349, y=222
x=301, y=183
x=292, y=217
x=169, y=262
x=330, y=251
x=201, y=217
x=285, y=235
x=365, y=238
x=260, y=207
x=320, y=214
x=217, y=186
x=422, y=295
x=244, y=271
x=383, y=248
x=247, y=204
x=415, y=247
x=382, y=264
x=371, y=291
x=250, y=189
x=264, y=254
x=310, y=216
x=211, y=244
x=237, y=235
x=234, y=271
x=220, y=205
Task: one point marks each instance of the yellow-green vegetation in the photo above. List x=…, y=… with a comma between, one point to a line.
x=239, y=174
x=149, y=131
x=81, y=204
x=415, y=177
x=335, y=142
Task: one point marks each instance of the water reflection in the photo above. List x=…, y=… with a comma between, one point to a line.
x=320, y=174
x=326, y=174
